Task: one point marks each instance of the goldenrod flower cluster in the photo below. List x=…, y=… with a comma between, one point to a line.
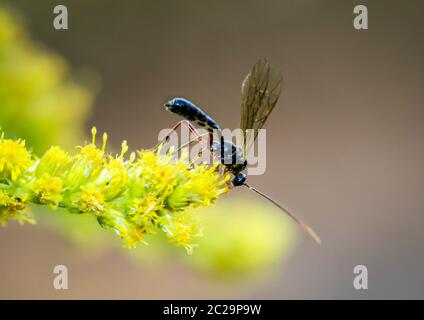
x=135, y=196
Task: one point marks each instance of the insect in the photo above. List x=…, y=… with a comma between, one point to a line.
x=260, y=92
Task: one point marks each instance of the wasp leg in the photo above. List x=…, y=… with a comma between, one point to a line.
x=229, y=183
x=199, y=154
x=200, y=139
x=190, y=127
x=188, y=143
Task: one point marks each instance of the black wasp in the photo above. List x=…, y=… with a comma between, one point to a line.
x=260, y=91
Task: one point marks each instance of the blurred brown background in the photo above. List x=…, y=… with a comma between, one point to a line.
x=345, y=143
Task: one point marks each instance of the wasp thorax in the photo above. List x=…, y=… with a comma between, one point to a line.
x=230, y=153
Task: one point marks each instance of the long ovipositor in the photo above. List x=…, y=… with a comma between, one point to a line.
x=188, y=110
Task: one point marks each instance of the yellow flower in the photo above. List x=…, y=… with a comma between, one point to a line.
x=47, y=189
x=202, y=187
x=91, y=201
x=115, y=178
x=144, y=212
x=86, y=165
x=130, y=234
x=12, y=207
x=54, y=161
x=14, y=158
x=183, y=229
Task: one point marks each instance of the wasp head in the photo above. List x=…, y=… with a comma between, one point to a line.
x=176, y=105
x=239, y=179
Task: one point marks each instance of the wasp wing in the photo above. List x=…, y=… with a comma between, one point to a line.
x=260, y=91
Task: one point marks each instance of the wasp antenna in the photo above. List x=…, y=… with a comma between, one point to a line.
x=303, y=225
